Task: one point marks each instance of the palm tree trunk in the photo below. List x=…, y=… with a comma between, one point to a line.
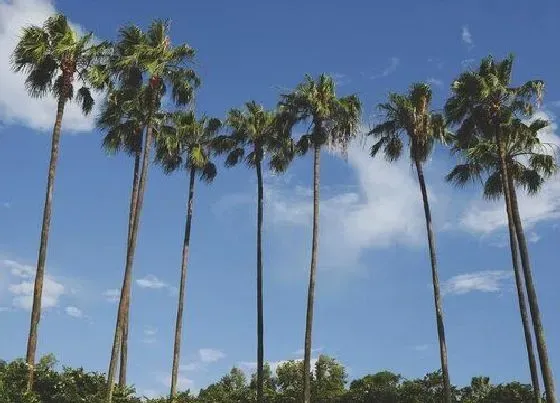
x=132, y=213
x=546, y=369
x=40, y=273
x=125, y=290
x=435, y=281
x=523, y=308
x=260, y=307
x=180, y=305
x=312, y=273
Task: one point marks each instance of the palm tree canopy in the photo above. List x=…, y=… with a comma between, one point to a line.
x=186, y=142
x=408, y=115
x=333, y=121
x=52, y=55
x=529, y=160
x=484, y=100
x=256, y=132
x=152, y=53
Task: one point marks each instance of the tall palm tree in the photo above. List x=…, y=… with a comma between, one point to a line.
x=333, y=122
x=147, y=58
x=186, y=143
x=256, y=132
x=484, y=103
x=528, y=164
x=409, y=117
x=123, y=118
x=53, y=56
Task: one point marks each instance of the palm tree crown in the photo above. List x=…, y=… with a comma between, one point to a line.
x=53, y=55
x=334, y=121
x=408, y=115
x=186, y=142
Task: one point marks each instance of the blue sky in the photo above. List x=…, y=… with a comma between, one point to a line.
x=374, y=306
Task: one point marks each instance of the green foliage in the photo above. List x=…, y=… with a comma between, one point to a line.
x=53, y=55
x=328, y=386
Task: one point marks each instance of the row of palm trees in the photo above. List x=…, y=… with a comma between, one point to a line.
x=488, y=124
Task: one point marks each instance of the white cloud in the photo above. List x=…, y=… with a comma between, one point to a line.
x=21, y=284
x=466, y=36
x=73, y=311
x=7, y=205
x=484, y=217
x=391, y=68
x=112, y=295
x=149, y=335
x=208, y=355
x=483, y=281
x=340, y=79
x=421, y=347
x=300, y=352
x=191, y=366
x=15, y=104
x=183, y=383
x=151, y=281
x=384, y=209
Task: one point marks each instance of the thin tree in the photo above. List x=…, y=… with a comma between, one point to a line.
x=147, y=58
x=123, y=119
x=409, y=118
x=484, y=103
x=333, y=122
x=254, y=133
x=53, y=57
x=529, y=162
x=185, y=142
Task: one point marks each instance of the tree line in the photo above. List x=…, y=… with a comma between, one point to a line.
x=329, y=384
x=488, y=123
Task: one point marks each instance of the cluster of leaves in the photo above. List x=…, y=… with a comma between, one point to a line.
x=329, y=380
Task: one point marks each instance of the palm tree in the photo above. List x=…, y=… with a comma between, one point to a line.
x=409, y=116
x=484, y=104
x=333, y=122
x=528, y=164
x=52, y=56
x=186, y=143
x=123, y=118
x=148, y=63
x=255, y=132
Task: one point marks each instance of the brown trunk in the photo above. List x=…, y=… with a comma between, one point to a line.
x=180, y=305
x=312, y=273
x=260, y=307
x=125, y=290
x=132, y=213
x=546, y=369
x=523, y=306
x=435, y=282
x=40, y=273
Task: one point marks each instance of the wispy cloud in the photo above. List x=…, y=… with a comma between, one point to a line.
x=22, y=285
x=112, y=295
x=7, y=205
x=421, y=347
x=74, y=311
x=149, y=335
x=490, y=281
x=340, y=79
x=208, y=355
x=466, y=36
x=391, y=68
x=151, y=281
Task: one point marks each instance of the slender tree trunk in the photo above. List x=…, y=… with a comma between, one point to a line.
x=260, y=307
x=40, y=273
x=132, y=213
x=523, y=308
x=312, y=273
x=546, y=370
x=125, y=290
x=435, y=281
x=180, y=305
